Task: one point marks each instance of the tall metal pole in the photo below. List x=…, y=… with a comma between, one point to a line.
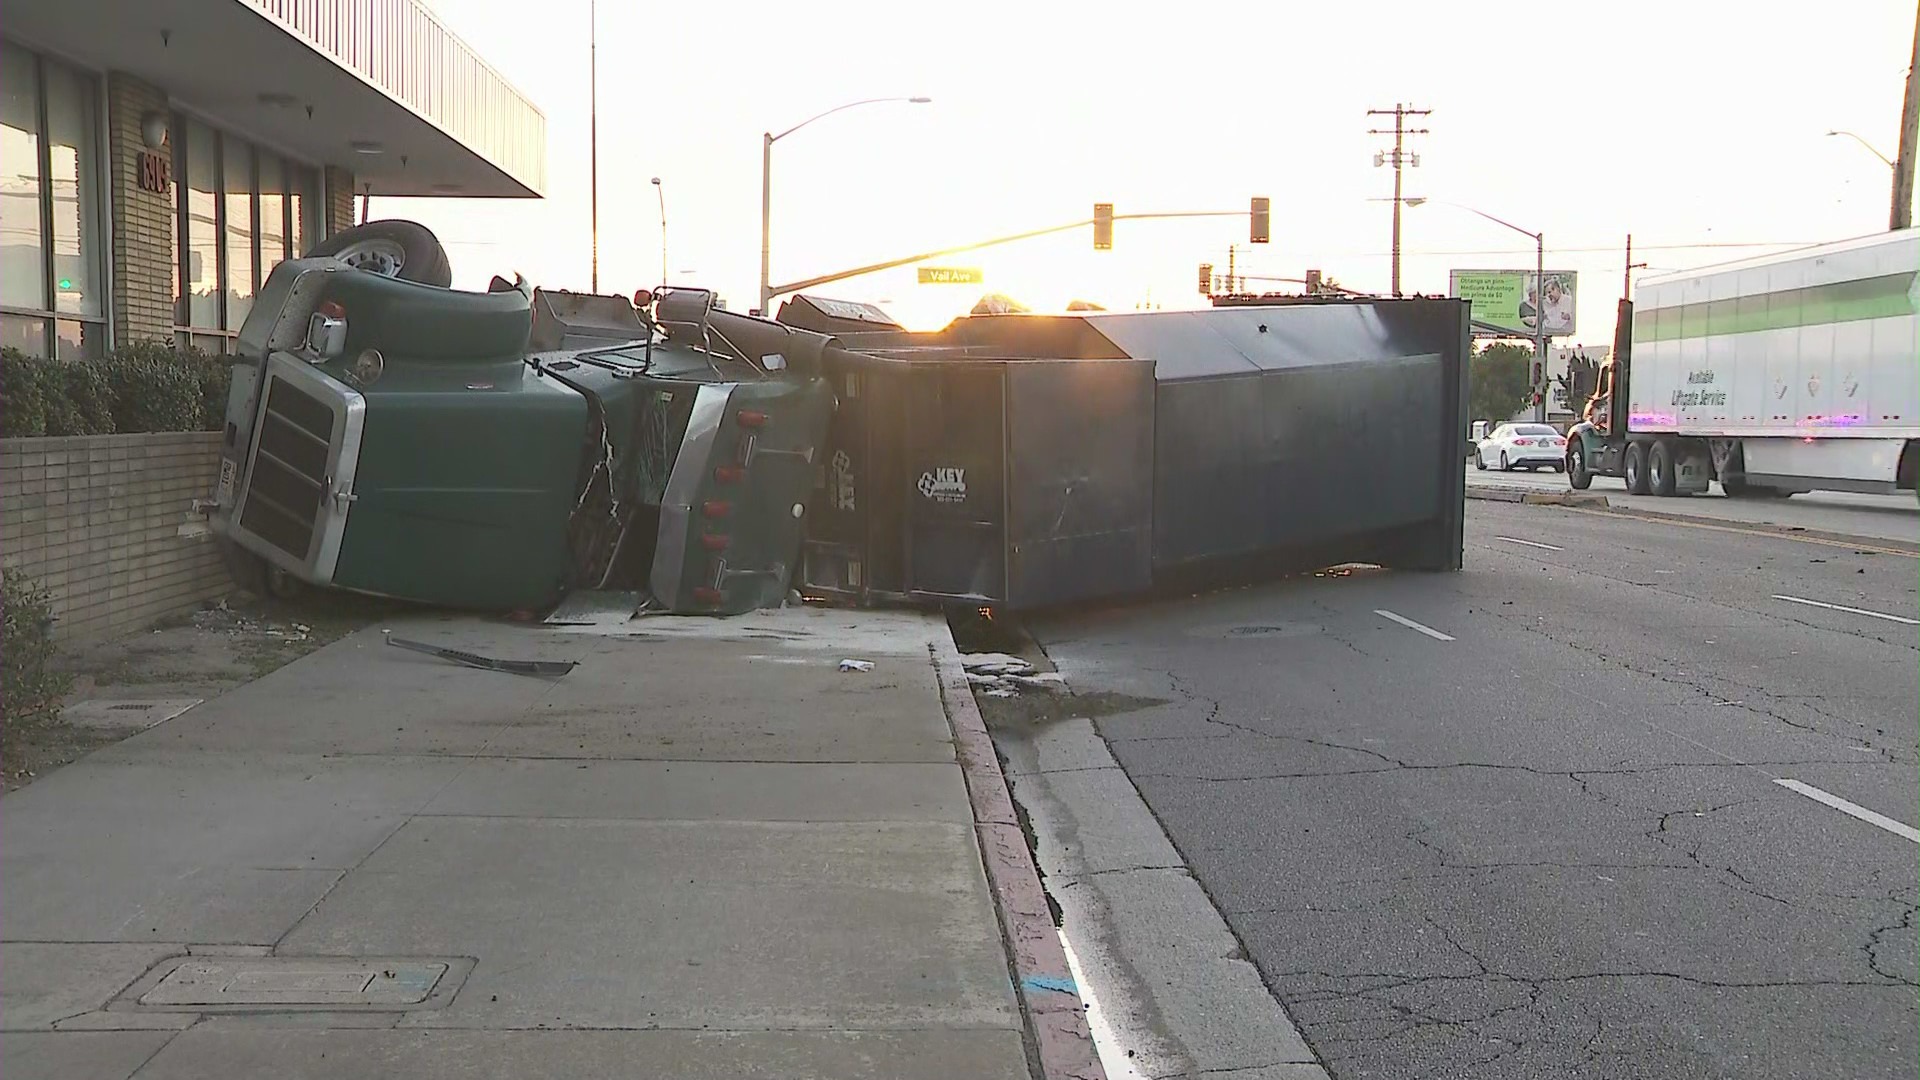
x=1902, y=214
x=1399, y=134
x=661, y=190
x=766, y=211
x=593, y=138
x=1540, y=326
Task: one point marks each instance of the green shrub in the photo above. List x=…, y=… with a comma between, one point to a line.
x=81, y=401
x=215, y=374
x=30, y=688
x=147, y=386
x=154, y=389
x=23, y=395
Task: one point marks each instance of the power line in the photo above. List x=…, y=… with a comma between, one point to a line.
x=1584, y=250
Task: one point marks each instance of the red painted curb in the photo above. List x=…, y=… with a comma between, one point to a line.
x=1049, y=999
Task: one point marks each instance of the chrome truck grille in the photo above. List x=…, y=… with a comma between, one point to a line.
x=296, y=476
x=287, y=486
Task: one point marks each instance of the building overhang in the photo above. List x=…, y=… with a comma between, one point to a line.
x=377, y=87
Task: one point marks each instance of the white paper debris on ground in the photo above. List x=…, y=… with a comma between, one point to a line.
x=1050, y=680
x=994, y=663
x=856, y=665
x=1003, y=692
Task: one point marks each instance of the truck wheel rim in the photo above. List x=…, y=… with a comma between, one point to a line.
x=374, y=255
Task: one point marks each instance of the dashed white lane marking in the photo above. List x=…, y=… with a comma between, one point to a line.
x=1852, y=809
x=1411, y=625
x=1529, y=543
x=1848, y=610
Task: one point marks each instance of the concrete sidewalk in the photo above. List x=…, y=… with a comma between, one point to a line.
x=705, y=852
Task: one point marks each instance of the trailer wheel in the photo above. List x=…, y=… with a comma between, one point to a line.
x=1660, y=478
x=1635, y=468
x=1577, y=475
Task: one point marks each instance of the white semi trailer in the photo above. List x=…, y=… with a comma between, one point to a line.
x=1787, y=373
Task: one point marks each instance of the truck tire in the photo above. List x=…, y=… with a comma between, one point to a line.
x=1577, y=475
x=394, y=248
x=1660, y=478
x=1634, y=468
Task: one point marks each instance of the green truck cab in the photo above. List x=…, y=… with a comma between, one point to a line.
x=402, y=439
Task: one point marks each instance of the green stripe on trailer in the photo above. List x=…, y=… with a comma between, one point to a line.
x=1887, y=296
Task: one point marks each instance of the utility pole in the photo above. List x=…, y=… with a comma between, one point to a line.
x=1626, y=283
x=1400, y=159
x=593, y=140
x=1902, y=215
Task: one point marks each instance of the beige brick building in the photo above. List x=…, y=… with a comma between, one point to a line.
x=161, y=159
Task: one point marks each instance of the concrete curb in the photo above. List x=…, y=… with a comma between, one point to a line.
x=1049, y=997
x=1536, y=497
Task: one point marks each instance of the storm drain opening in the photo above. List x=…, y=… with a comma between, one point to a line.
x=288, y=983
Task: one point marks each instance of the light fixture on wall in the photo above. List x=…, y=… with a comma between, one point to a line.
x=275, y=99
x=367, y=147
x=153, y=128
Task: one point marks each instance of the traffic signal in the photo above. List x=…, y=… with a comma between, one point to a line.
x=1259, y=231
x=1535, y=372
x=1313, y=283
x=1206, y=279
x=1103, y=226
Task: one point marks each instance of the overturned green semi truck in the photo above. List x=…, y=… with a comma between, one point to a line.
x=400, y=439
x=499, y=450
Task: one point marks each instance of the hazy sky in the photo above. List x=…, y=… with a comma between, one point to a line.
x=1684, y=122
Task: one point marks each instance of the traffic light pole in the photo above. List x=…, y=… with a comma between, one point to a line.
x=1540, y=327
x=890, y=264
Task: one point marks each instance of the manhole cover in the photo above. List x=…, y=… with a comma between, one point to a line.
x=122, y=714
x=213, y=983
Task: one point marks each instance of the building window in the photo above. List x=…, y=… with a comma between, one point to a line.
x=242, y=210
x=51, y=274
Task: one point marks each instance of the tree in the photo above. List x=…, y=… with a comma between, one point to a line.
x=1580, y=381
x=1497, y=381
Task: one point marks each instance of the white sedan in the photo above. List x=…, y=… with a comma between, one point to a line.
x=1522, y=446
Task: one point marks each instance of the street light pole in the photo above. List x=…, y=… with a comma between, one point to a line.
x=593, y=140
x=661, y=190
x=1539, y=301
x=766, y=212
x=1540, y=326
x=767, y=139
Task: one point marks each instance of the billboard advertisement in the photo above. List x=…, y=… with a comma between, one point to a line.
x=1507, y=300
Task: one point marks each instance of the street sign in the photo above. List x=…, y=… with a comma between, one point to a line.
x=950, y=275
x=1507, y=300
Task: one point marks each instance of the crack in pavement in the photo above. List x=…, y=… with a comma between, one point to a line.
x=1874, y=941
x=1698, y=685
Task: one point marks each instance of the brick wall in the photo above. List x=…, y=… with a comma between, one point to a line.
x=107, y=524
x=338, y=213
x=143, y=250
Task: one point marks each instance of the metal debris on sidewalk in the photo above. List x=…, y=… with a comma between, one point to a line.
x=544, y=668
x=856, y=665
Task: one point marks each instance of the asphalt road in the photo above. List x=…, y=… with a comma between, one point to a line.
x=1534, y=819
x=1889, y=517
